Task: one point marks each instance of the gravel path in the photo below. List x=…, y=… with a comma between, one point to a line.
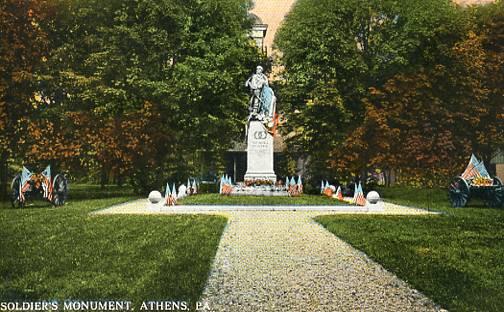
x=140, y=206
x=285, y=261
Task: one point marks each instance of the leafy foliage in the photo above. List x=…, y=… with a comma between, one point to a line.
x=23, y=46
x=141, y=87
x=392, y=85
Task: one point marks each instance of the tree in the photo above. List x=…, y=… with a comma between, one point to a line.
x=182, y=63
x=23, y=47
x=426, y=123
x=489, y=26
x=356, y=51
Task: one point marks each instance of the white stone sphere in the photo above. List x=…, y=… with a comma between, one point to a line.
x=373, y=197
x=155, y=197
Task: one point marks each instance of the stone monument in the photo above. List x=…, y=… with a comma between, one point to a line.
x=261, y=120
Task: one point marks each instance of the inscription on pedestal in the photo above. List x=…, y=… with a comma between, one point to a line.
x=259, y=153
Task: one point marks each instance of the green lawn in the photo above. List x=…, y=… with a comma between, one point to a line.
x=65, y=253
x=456, y=258
x=217, y=199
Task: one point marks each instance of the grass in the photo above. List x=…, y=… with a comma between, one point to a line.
x=66, y=253
x=217, y=199
x=455, y=258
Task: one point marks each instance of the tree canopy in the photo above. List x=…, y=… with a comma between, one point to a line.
x=402, y=85
x=140, y=89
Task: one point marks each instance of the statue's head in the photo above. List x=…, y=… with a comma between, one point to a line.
x=259, y=69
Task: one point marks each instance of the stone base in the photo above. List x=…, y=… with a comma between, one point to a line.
x=378, y=207
x=259, y=154
x=251, y=177
x=263, y=190
x=155, y=207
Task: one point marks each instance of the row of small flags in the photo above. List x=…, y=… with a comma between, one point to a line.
x=226, y=185
x=328, y=190
x=475, y=169
x=294, y=188
x=171, y=195
x=24, y=184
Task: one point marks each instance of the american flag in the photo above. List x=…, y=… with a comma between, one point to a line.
x=294, y=189
x=226, y=185
x=194, y=188
x=227, y=189
x=339, y=195
x=328, y=192
x=170, y=195
x=275, y=124
x=482, y=170
x=46, y=183
x=172, y=201
x=300, y=185
x=24, y=184
x=472, y=169
x=359, y=199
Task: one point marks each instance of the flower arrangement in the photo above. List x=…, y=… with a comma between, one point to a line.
x=258, y=182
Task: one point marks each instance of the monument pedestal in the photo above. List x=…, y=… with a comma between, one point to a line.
x=259, y=154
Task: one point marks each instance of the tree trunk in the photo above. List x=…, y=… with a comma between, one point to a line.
x=120, y=178
x=4, y=183
x=103, y=176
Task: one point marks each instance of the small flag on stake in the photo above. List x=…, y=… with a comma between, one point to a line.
x=226, y=185
x=170, y=195
x=328, y=190
x=24, y=183
x=360, y=199
x=356, y=190
x=339, y=194
x=194, y=187
x=293, y=187
x=46, y=183
x=167, y=194
x=472, y=169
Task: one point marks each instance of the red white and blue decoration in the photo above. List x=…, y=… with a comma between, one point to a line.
x=25, y=183
x=359, y=198
x=170, y=195
x=294, y=188
x=226, y=185
x=475, y=169
x=339, y=194
x=327, y=189
x=46, y=183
